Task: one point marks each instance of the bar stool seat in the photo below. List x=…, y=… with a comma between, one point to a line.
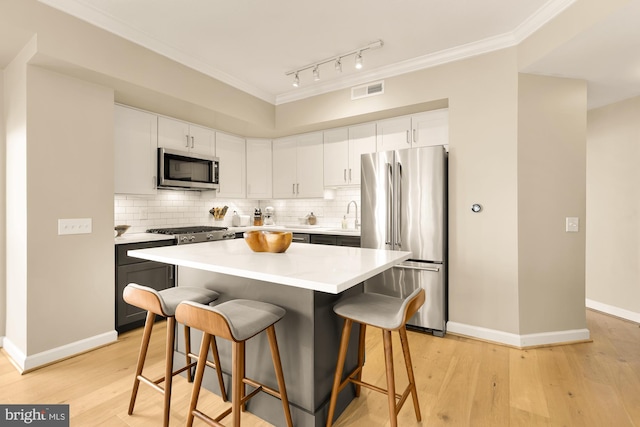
x=237, y=321
x=389, y=314
x=164, y=303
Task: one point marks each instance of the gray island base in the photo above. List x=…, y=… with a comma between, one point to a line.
x=306, y=281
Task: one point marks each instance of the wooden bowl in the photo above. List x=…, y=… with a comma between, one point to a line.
x=268, y=241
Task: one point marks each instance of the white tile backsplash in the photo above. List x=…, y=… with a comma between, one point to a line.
x=176, y=208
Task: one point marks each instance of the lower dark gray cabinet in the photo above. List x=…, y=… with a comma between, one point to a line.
x=155, y=275
x=335, y=240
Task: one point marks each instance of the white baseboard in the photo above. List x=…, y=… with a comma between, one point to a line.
x=1, y=340
x=26, y=363
x=612, y=310
x=515, y=340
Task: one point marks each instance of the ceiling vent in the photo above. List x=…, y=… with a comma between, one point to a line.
x=369, y=89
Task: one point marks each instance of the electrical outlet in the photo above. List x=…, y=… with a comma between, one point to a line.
x=74, y=226
x=572, y=224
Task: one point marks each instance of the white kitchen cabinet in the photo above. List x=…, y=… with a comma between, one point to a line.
x=184, y=136
x=430, y=128
x=342, y=150
x=416, y=130
x=298, y=166
x=284, y=168
x=231, y=152
x=259, y=168
x=135, y=151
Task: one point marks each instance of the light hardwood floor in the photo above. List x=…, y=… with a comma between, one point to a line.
x=461, y=382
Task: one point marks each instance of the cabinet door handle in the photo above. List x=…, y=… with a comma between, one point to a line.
x=408, y=140
x=349, y=174
x=293, y=188
x=345, y=175
x=414, y=136
x=297, y=188
x=154, y=181
x=187, y=145
x=192, y=142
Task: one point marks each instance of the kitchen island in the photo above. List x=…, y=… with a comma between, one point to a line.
x=306, y=280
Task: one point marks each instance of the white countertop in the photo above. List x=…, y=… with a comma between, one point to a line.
x=302, y=228
x=331, y=269
x=309, y=229
x=141, y=237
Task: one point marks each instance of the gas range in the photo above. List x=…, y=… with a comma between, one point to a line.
x=197, y=234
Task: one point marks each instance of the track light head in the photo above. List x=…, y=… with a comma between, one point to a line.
x=316, y=73
x=338, y=66
x=296, y=80
x=359, y=60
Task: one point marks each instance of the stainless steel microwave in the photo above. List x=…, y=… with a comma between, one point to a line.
x=187, y=171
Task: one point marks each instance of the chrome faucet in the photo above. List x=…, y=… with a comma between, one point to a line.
x=357, y=224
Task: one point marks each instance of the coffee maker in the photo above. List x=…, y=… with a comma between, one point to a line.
x=268, y=216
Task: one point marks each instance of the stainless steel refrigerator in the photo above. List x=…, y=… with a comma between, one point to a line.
x=404, y=207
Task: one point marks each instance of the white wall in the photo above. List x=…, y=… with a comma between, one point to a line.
x=60, y=152
x=15, y=103
x=3, y=277
x=551, y=186
x=613, y=209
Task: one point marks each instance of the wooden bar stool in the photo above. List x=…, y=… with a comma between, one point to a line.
x=237, y=321
x=389, y=314
x=164, y=303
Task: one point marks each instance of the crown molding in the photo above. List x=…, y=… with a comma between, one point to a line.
x=536, y=21
x=109, y=23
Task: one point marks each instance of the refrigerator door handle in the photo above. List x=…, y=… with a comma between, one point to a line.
x=414, y=267
x=398, y=213
x=389, y=185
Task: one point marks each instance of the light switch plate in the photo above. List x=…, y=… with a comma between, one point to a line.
x=572, y=224
x=74, y=226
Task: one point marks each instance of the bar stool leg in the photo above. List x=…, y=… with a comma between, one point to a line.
x=197, y=381
x=277, y=365
x=168, y=371
x=142, y=356
x=361, y=346
x=237, y=393
x=216, y=360
x=337, y=379
x=407, y=361
x=187, y=350
x=391, y=382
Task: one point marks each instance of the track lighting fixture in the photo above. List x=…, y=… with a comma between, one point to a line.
x=338, y=66
x=359, y=60
x=338, y=62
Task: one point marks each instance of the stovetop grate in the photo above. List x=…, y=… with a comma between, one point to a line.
x=185, y=230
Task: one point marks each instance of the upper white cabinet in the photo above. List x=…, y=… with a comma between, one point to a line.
x=231, y=152
x=185, y=136
x=298, y=166
x=136, y=142
x=259, y=168
x=416, y=130
x=430, y=128
x=342, y=150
